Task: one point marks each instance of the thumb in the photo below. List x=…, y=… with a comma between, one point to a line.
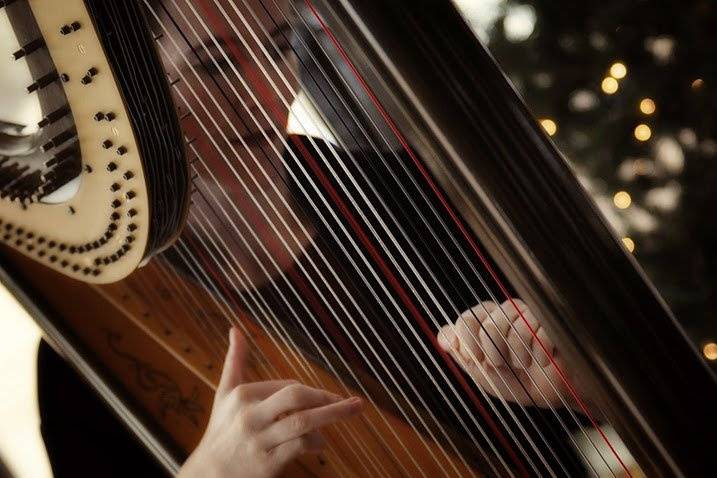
x=234, y=363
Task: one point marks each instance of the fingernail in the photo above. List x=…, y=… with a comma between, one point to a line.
x=231, y=337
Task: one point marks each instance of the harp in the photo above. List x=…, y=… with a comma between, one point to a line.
x=340, y=179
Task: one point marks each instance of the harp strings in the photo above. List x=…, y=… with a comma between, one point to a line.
x=288, y=229
x=291, y=232
x=561, y=373
x=299, y=367
x=384, y=387
x=440, y=244
x=337, y=319
x=562, y=376
x=335, y=176
x=458, y=270
x=349, y=316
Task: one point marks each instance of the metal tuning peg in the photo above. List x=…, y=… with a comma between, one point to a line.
x=29, y=48
x=88, y=76
x=59, y=139
x=72, y=27
x=43, y=81
x=64, y=155
x=54, y=116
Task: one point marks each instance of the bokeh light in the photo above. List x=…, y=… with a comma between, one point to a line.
x=622, y=200
x=647, y=106
x=618, y=70
x=609, y=85
x=549, y=126
x=643, y=132
x=629, y=244
x=710, y=351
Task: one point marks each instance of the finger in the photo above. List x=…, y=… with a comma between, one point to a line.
x=493, y=335
x=447, y=339
x=300, y=423
x=520, y=336
x=287, y=452
x=450, y=341
x=514, y=306
x=256, y=391
x=234, y=363
x=468, y=331
x=540, y=346
x=520, y=344
x=290, y=399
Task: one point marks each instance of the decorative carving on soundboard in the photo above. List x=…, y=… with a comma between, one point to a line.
x=171, y=398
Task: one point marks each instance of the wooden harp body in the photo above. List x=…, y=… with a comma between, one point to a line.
x=413, y=185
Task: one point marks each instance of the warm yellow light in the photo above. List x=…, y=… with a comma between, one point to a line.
x=622, y=200
x=618, y=70
x=549, y=126
x=697, y=84
x=629, y=244
x=710, y=351
x=609, y=85
x=647, y=106
x=642, y=132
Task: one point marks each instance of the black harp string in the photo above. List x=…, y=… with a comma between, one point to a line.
x=232, y=148
x=433, y=234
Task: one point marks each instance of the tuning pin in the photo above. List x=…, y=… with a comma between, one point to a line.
x=72, y=27
x=59, y=139
x=43, y=81
x=9, y=175
x=62, y=156
x=29, y=48
x=25, y=188
x=59, y=176
x=54, y=116
x=88, y=76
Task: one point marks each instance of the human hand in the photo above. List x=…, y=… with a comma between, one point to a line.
x=489, y=341
x=256, y=429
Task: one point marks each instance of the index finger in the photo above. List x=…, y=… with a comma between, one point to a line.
x=305, y=421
